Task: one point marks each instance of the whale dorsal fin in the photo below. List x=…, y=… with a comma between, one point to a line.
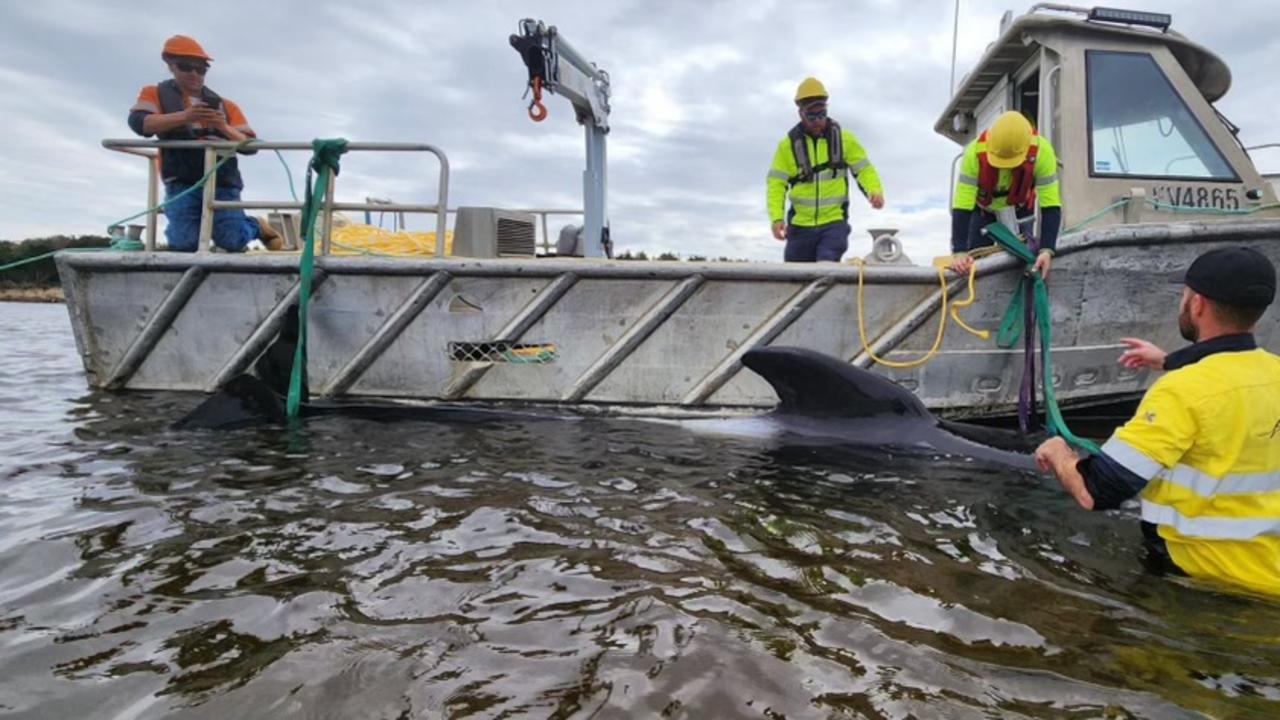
x=810, y=383
x=259, y=398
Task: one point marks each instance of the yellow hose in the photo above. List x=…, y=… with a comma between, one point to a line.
x=941, y=263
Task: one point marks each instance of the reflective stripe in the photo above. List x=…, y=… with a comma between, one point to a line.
x=822, y=202
x=778, y=175
x=1132, y=459
x=1206, y=485
x=859, y=166
x=1185, y=476
x=147, y=106
x=1042, y=181
x=1217, y=528
x=967, y=180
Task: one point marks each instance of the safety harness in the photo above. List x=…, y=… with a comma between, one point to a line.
x=187, y=166
x=1022, y=184
x=805, y=169
x=171, y=102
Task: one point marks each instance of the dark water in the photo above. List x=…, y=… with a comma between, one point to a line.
x=562, y=569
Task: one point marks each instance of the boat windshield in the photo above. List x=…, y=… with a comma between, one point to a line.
x=1140, y=127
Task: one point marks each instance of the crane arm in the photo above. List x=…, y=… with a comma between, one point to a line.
x=556, y=67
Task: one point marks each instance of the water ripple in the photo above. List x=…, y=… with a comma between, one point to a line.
x=611, y=569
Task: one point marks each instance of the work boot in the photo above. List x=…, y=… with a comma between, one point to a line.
x=272, y=239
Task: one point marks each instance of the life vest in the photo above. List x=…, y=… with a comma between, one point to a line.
x=187, y=166
x=1022, y=184
x=805, y=169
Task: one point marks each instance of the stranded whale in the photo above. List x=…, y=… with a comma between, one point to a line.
x=822, y=402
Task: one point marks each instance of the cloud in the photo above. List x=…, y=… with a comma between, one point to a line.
x=701, y=97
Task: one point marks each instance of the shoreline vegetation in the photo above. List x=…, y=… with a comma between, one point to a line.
x=38, y=281
x=31, y=294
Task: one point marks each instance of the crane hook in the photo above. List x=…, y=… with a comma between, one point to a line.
x=537, y=111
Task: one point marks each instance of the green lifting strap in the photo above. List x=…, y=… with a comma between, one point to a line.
x=1011, y=330
x=324, y=163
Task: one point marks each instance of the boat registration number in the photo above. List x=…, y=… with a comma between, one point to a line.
x=1200, y=197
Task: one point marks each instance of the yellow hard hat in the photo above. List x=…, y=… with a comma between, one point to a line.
x=1008, y=140
x=809, y=88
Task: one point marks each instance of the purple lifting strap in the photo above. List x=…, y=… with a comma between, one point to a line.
x=1027, y=392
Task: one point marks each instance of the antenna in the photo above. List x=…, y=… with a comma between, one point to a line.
x=955, y=36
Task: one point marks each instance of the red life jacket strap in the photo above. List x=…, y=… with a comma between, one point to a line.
x=1022, y=184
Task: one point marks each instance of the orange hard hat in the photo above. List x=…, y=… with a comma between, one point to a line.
x=183, y=46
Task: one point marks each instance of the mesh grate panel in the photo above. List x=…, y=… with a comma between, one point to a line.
x=503, y=352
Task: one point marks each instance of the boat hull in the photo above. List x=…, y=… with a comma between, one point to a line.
x=626, y=334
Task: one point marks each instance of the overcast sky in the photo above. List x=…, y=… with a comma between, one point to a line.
x=701, y=95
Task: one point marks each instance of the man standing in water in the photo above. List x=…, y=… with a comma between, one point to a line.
x=1203, y=450
x=184, y=109
x=812, y=164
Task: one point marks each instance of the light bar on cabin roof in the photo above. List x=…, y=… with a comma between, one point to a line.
x=1160, y=21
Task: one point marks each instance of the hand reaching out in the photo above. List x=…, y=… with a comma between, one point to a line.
x=1142, y=354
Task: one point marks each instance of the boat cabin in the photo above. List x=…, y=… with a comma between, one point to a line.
x=1127, y=103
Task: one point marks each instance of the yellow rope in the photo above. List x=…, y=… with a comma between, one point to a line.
x=958, y=304
x=941, y=263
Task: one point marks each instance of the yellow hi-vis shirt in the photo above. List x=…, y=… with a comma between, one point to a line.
x=822, y=200
x=1207, y=436
x=1048, y=192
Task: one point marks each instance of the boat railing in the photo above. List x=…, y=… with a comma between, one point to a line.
x=1057, y=7
x=547, y=245
x=149, y=149
x=215, y=150
x=1272, y=176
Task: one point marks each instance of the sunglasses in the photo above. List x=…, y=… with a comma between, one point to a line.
x=815, y=116
x=187, y=67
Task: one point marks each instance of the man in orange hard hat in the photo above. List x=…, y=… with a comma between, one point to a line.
x=183, y=108
x=1009, y=165
x=811, y=167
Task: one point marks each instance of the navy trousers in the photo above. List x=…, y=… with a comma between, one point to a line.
x=232, y=229
x=822, y=243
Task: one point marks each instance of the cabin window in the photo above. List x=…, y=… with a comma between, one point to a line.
x=1140, y=127
x=1027, y=99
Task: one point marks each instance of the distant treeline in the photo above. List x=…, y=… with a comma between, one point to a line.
x=642, y=255
x=41, y=273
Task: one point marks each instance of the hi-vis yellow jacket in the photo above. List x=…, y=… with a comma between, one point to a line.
x=1207, y=436
x=1048, y=193
x=824, y=199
